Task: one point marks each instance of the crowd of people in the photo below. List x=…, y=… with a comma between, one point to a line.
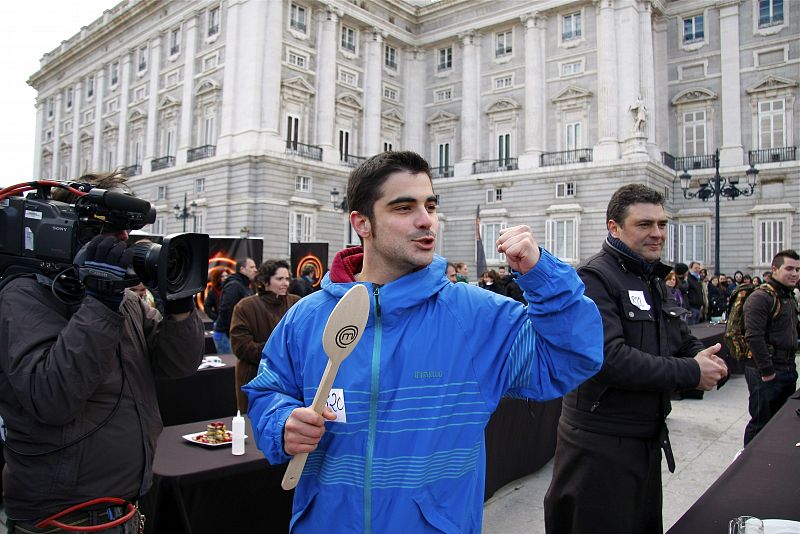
x=707, y=297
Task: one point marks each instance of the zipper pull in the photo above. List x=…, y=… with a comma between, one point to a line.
x=376, y=291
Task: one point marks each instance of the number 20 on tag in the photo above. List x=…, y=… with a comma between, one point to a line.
x=336, y=404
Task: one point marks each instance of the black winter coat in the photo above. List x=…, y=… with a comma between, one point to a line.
x=235, y=288
x=648, y=350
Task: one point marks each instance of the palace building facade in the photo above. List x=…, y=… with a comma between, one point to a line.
x=534, y=112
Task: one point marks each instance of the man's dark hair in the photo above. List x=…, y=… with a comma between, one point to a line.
x=307, y=270
x=107, y=181
x=366, y=181
x=681, y=269
x=241, y=264
x=268, y=269
x=630, y=194
x=779, y=258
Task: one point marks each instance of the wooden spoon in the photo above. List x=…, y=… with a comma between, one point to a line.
x=341, y=335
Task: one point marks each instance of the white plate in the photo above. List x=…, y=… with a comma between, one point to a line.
x=192, y=438
x=781, y=526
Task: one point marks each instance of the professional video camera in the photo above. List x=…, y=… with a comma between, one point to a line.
x=42, y=235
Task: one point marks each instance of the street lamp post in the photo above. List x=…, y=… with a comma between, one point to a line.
x=185, y=212
x=337, y=205
x=726, y=187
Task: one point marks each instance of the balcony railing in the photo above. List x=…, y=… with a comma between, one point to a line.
x=581, y=155
x=201, y=152
x=694, y=162
x=494, y=165
x=442, y=171
x=162, y=163
x=351, y=160
x=772, y=155
x=303, y=150
x=668, y=160
x=132, y=170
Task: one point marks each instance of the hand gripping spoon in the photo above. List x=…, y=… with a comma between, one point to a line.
x=341, y=335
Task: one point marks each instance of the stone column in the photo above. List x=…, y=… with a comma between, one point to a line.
x=648, y=80
x=77, y=96
x=535, y=89
x=607, y=147
x=270, y=83
x=187, y=91
x=661, y=96
x=227, y=126
x=628, y=82
x=326, y=84
x=469, y=110
x=241, y=106
x=37, y=140
x=373, y=86
x=151, y=134
x=124, y=95
x=97, y=141
x=731, y=152
x=414, y=128
x=56, y=137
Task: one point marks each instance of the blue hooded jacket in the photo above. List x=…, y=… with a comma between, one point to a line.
x=419, y=388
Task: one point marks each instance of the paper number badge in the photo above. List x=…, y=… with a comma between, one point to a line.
x=638, y=300
x=336, y=404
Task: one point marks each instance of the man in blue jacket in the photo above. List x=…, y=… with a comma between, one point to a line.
x=406, y=454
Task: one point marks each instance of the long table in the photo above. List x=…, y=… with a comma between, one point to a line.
x=764, y=481
x=198, y=490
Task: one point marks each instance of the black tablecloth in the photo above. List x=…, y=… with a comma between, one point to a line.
x=201, y=490
x=763, y=482
x=208, y=394
x=520, y=439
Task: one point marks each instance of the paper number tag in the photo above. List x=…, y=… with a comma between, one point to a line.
x=638, y=300
x=336, y=404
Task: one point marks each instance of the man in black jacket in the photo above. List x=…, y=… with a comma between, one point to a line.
x=695, y=293
x=77, y=394
x=236, y=287
x=771, y=332
x=607, y=472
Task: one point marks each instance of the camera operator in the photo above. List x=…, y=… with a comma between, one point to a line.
x=77, y=392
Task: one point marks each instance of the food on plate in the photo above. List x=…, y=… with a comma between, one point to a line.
x=216, y=433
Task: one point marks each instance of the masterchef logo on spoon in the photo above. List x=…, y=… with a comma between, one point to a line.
x=346, y=335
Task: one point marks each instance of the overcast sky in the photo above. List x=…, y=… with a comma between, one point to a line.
x=32, y=28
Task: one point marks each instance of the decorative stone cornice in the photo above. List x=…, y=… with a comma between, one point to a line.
x=393, y=115
x=349, y=100
x=298, y=84
x=564, y=208
x=693, y=95
x=442, y=116
x=503, y=104
x=207, y=86
x=772, y=83
x=571, y=93
x=762, y=209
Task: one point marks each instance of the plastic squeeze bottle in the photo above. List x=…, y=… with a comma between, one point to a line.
x=237, y=427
